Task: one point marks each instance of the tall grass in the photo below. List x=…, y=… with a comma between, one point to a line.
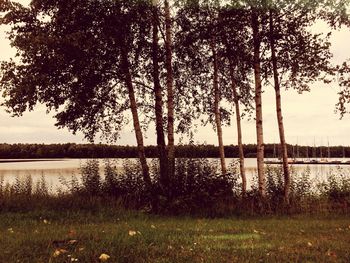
x=197, y=188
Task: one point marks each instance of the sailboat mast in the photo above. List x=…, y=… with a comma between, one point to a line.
x=314, y=150
x=329, y=152
x=297, y=148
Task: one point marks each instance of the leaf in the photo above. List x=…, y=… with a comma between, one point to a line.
x=104, y=257
x=132, y=233
x=59, y=252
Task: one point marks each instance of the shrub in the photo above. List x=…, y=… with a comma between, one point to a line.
x=90, y=177
x=125, y=183
x=199, y=187
x=337, y=188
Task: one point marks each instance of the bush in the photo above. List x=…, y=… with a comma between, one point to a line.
x=199, y=187
x=337, y=188
x=91, y=178
x=125, y=184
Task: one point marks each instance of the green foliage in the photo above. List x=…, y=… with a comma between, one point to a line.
x=199, y=186
x=69, y=59
x=337, y=187
x=90, y=176
x=125, y=184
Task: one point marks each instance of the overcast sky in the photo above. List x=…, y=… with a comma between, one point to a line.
x=307, y=117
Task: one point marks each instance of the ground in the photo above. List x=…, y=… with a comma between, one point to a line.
x=48, y=236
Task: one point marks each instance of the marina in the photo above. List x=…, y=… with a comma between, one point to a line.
x=311, y=162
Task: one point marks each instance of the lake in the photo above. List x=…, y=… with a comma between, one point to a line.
x=54, y=169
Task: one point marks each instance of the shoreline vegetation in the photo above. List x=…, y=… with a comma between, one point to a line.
x=72, y=150
x=198, y=189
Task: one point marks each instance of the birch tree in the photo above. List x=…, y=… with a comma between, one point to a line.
x=79, y=59
x=298, y=57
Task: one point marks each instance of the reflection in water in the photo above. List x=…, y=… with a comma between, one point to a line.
x=52, y=170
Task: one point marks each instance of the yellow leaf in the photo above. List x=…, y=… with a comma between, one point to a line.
x=56, y=253
x=59, y=252
x=132, y=233
x=104, y=257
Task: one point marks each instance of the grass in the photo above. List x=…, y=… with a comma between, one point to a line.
x=136, y=237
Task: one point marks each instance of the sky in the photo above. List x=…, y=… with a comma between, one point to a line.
x=308, y=118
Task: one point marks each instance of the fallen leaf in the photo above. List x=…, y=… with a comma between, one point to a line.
x=132, y=233
x=331, y=253
x=104, y=257
x=59, y=252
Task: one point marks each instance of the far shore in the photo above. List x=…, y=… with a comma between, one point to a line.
x=28, y=160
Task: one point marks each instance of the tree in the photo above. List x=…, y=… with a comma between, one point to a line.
x=198, y=22
x=256, y=23
x=170, y=88
x=297, y=53
x=163, y=156
x=217, y=104
x=79, y=59
x=279, y=108
x=336, y=14
x=235, y=39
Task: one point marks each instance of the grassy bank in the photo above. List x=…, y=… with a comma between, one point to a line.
x=49, y=236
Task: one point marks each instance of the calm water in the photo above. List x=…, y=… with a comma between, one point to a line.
x=53, y=170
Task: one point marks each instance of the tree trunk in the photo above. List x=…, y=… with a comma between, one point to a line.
x=279, y=112
x=170, y=91
x=163, y=160
x=239, y=133
x=216, y=107
x=258, y=105
x=137, y=127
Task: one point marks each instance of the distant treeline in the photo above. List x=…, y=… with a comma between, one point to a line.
x=71, y=150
